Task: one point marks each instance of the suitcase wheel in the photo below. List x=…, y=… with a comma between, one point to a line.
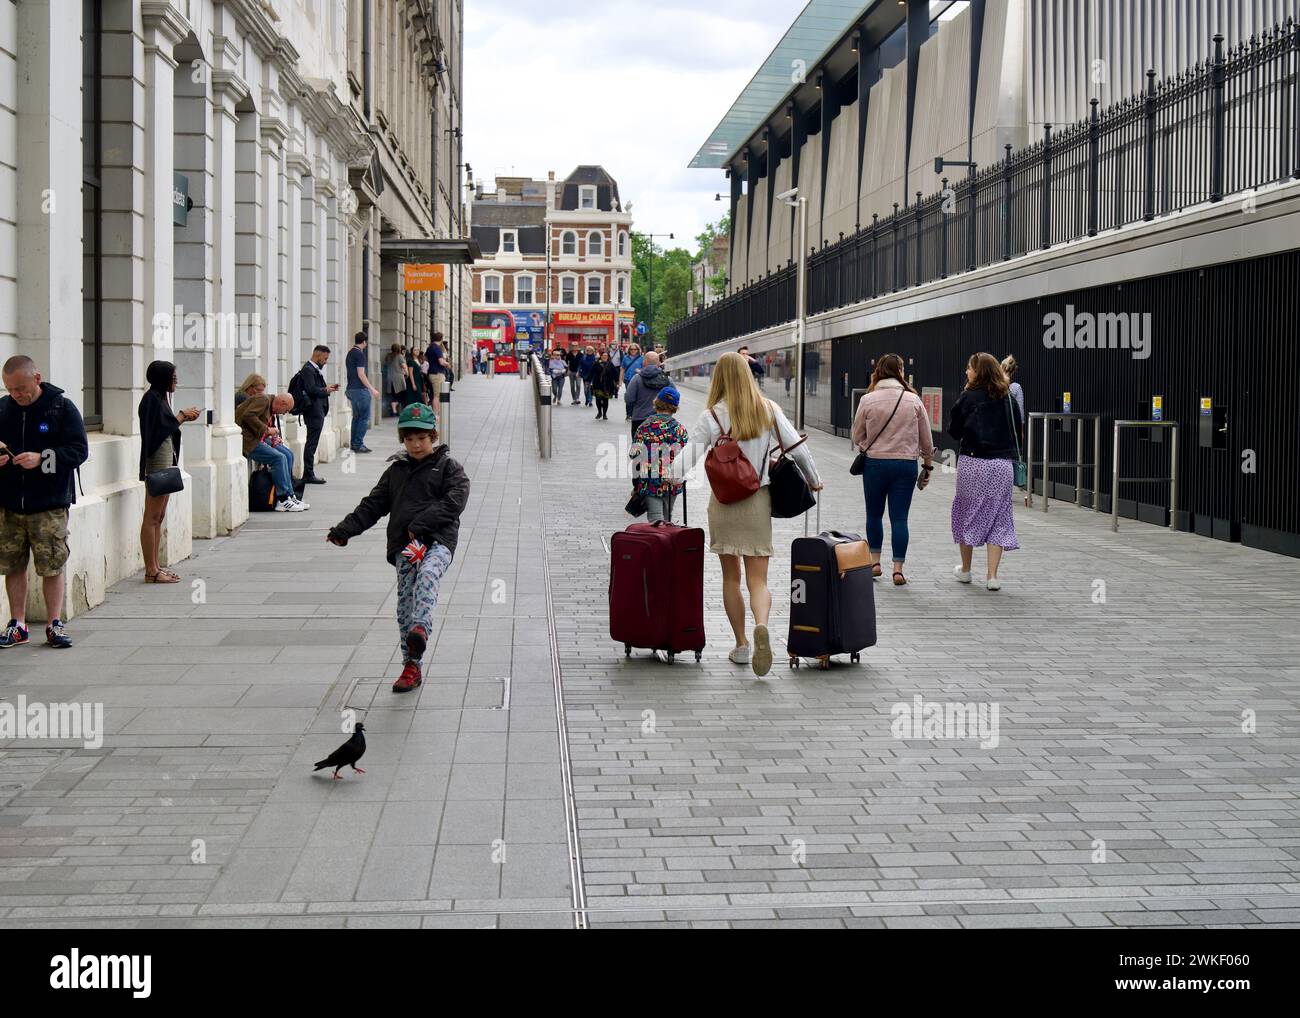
x=855, y=657
x=794, y=661
x=627, y=650
x=698, y=654
x=671, y=656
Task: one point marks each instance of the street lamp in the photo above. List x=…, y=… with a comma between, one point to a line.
x=794, y=199
x=651, y=237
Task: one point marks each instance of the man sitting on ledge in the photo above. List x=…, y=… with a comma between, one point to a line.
x=263, y=444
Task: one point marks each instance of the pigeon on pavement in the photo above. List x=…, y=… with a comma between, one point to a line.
x=348, y=754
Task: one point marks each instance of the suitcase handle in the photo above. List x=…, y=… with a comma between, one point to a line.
x=819, y=519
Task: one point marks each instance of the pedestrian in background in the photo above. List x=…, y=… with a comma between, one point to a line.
x=395, y=377
x=42, y=443
x=891, y=429
x=642, y=390
x=740, y=533
x=316, y=394
x=1018, y=394
x=663, y=437
x=556, y=367
x=985, y=424
x=632, y=362
x=586, y=368
x=604, y=384
x=573, y=362
x=359, y=391
x=160, y=449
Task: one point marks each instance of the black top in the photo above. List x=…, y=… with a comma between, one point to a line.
x=316, y=390
x=356, y=358
x=573, y=359
x=423, y=498
x=983, y=425
x=605, y=377
x=158, y=424
x=52, y=423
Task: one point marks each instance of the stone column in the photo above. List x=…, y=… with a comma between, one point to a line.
x=236, y=333
x=296, y=166
x=249, y=251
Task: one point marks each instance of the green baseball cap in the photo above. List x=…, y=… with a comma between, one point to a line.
x=418, y=415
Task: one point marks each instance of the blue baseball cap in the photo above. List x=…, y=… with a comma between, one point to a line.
x=670, y=396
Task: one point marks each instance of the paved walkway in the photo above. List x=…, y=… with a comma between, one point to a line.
x=1122, y=790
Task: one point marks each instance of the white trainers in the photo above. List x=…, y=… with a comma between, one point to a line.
x=291, y=505
x=962, y=577
x=740, y=655
x=994, y=584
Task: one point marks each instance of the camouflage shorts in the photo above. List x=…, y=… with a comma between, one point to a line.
x=44, y=535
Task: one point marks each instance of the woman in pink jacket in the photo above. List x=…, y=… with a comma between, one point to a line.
x=892, y=428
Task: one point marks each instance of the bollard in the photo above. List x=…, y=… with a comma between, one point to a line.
x=443, y=410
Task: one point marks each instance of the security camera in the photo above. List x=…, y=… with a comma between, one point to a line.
x=788, y=196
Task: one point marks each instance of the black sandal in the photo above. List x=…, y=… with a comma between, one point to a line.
x=876, y=571
x=899, y=578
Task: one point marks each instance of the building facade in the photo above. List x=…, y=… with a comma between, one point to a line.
x=220, y=185
x=1135, y=166
x=715, y=261
x=557, y=248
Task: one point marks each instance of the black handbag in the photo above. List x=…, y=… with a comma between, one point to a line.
x=636, y=504
x=167, y=481
x=860, y=460
x=790, y=493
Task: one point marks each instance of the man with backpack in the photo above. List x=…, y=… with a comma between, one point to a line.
x=42, y=443
x=311, y=401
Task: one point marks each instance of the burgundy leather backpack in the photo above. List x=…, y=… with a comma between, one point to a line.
x=731, y=476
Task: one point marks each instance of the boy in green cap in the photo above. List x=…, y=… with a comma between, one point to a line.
x=423, y=492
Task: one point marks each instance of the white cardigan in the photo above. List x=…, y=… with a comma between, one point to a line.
x=757, y=450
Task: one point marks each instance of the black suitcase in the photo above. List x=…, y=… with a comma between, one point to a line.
x=832, y=598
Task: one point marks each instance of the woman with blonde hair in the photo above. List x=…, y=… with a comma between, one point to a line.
x=740, y=533
x=985, y=423
x=253, y=385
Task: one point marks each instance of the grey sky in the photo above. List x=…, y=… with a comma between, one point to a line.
x=634, y=86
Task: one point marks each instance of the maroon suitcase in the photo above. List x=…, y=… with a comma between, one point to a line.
x=656, y=588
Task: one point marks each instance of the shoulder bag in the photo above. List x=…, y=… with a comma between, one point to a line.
x=167, y=481
x=1021, y=468
x=860, y=460
x=790, y=493
x=731, y=476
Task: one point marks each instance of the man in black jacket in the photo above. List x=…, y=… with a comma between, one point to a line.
x=423, y=492
x=42, y=442
x=316, y=403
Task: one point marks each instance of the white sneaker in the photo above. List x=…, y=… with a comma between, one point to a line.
x=290, y=505
x=962, y=577
x=739, y=656
x=994, y=584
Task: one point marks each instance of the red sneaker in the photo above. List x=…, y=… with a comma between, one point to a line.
x=416, y=641
x=409, y=679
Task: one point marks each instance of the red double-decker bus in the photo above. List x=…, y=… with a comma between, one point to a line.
x=495, y=329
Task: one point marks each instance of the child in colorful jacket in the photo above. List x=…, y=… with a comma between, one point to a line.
x=658, y=441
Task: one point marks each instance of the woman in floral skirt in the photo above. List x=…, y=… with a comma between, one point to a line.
x=987, y=427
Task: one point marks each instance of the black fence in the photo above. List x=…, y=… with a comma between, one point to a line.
x=1223, y=126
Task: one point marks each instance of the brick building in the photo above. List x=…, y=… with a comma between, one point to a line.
x=582, y=284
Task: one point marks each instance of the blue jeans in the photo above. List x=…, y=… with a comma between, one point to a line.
x=891, y=481
x=360, y=400
x=280, y=460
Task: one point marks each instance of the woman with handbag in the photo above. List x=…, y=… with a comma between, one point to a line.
x=985, y=424
x=160, y=452
x=736, y=435
x=891, y=429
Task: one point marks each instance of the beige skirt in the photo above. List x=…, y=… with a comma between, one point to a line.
x=742, y=528
x=161, y=458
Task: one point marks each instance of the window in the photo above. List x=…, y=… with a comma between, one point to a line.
x=568, y=243
x=491, y=289
x=523, y=289
x=568, y=290
x=595, y=289
x=622, y=244
x=622, y=289
x=92, y=208
x=586, y=197
x=509, y=244
x=595, y=244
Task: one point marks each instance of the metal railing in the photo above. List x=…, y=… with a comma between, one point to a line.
x=543, y=400
x=1116, y=479
x=1047, y=463
x=1220, y=127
